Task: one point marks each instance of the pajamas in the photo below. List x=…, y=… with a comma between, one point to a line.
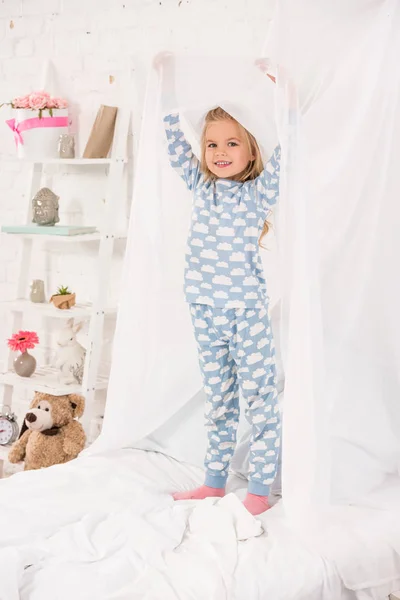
x=236, y=351
x=226, y=288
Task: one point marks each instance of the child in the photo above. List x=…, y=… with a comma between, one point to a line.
x=224, y=284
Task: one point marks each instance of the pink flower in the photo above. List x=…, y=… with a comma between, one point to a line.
x=43, y=93
x=58, y=103
x=21, y=102
x=38, y=100
x=23, y=341
x=52, y=103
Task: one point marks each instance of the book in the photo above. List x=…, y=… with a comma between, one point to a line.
x=49, y=230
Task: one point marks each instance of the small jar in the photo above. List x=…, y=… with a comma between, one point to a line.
x=66, y=146
x=37, y=291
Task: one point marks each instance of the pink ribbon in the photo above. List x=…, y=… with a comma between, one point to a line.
x=33, y=124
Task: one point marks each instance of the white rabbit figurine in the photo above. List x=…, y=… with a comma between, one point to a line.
x=70, y=354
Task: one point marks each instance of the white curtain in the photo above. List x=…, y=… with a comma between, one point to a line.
x=339, y=246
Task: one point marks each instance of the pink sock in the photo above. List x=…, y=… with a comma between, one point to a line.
x=204, y=491
x=256, y=504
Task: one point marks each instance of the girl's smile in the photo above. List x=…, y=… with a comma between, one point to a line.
x=227, y=154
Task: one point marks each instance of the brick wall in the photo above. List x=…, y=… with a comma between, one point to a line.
x=95, y=46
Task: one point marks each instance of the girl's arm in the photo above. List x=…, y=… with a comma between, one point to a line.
x=267, y=183
x=180, y=152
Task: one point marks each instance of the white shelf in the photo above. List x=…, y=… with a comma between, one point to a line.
x=64, y=161
x=85, y=237
x=110, y=173
x=70, y=239
x=46, y=380
x=45, y=309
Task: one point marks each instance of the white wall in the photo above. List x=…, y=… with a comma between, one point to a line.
x=96, y=45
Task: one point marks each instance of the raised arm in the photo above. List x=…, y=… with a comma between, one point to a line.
x=180, y=152
x=267, y=183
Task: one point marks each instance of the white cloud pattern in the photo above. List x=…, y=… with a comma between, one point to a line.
x=237, y=257
x=192, y=289
x=208, y=269
x=222, y=280
x=221, y=294
x=224, y=246
x=200, y=228
x=209, y=253
x=196, y=275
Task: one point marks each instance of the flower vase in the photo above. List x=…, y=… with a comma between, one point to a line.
x=36, y=133
x=25, y=364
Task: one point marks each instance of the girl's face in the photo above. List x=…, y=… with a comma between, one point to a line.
x=227, y=152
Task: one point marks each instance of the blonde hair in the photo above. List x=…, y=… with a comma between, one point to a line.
x=255, y=166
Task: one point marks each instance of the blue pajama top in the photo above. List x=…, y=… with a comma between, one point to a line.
x=223, y=264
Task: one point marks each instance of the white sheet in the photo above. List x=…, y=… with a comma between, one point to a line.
x=341, y=216
x=105, y=527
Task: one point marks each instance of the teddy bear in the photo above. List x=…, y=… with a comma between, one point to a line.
x=50, y=435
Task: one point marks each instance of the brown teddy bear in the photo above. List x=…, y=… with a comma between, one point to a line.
x=50, y=434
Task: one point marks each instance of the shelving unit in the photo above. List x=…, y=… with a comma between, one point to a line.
x=92, y=162
x=46, y=379
x=67, y=239
x=79, y=311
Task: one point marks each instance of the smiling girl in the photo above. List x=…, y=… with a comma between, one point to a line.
x=233, y=193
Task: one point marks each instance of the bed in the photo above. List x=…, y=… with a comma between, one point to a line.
x=105, y=527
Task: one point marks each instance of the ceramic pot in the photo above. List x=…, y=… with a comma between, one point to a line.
x=64, y=301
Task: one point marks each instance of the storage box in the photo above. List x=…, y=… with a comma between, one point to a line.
x=37, y=138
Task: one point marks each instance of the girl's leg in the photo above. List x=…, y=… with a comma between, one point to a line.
x=252, y=347
x=222, y=401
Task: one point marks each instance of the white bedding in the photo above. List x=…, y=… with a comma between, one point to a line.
x=105, y=528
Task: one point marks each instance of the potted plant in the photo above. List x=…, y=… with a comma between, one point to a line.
x=24, y=363
x=38, y=121
x=64, y=298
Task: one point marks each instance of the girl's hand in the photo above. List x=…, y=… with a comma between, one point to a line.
x=162, y=59
x=264, y=64
x=164, y=64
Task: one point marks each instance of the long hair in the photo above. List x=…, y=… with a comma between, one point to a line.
x=255, y=166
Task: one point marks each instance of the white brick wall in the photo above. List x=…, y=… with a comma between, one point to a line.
x=94, y=44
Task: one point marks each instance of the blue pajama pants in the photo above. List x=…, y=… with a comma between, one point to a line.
x=236, y=351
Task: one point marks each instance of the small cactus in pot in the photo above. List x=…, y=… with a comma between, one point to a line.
x=64, y=298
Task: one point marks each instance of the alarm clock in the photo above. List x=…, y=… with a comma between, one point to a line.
x=8, y=426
